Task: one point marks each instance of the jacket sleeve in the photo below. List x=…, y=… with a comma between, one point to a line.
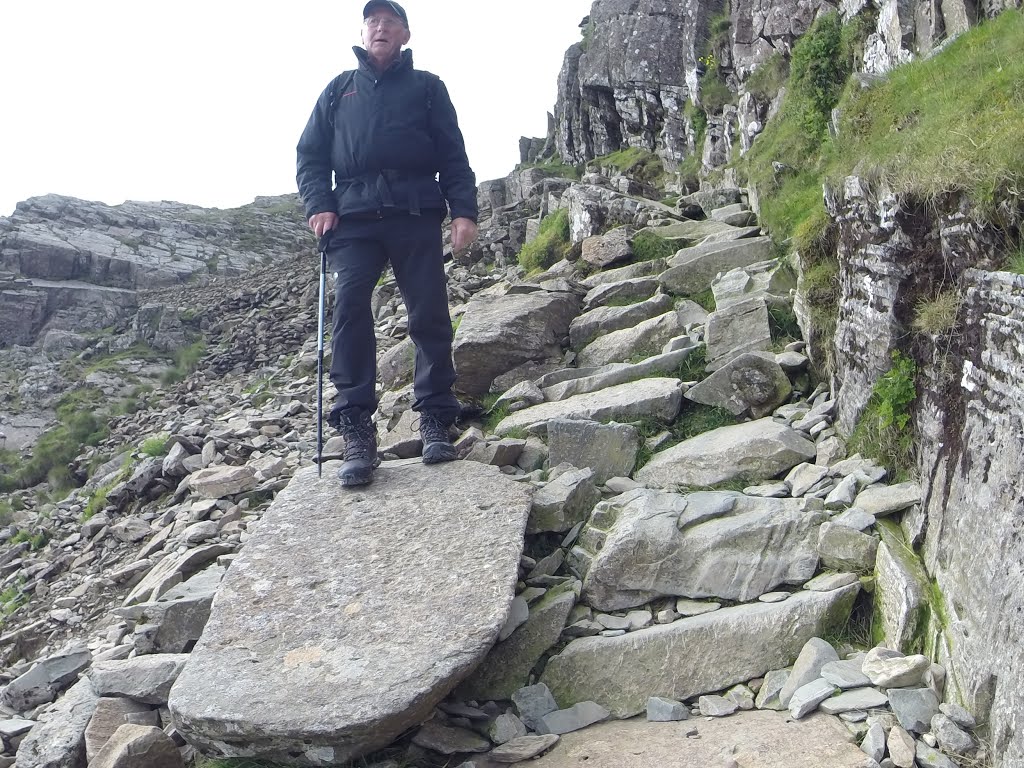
x=313, y=172
x=456, y=177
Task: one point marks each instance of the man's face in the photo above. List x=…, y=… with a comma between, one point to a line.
x=384, y=34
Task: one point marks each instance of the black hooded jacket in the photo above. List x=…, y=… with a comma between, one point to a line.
x=392, y=143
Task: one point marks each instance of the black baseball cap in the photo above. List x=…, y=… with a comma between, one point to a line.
x=394, y=7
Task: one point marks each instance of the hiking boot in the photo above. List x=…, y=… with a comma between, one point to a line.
x=360, y=447
x=437, y=445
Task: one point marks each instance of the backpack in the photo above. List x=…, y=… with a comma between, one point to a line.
x=342, y=82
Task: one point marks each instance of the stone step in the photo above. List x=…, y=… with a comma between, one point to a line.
x=693, y=656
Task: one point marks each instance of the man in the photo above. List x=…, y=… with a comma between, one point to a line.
x=390, y=136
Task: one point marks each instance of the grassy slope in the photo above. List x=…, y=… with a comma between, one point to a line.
x=932, y=126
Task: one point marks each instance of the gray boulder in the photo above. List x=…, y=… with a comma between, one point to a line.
x=496, y=335
x=603, y=377
x=751, y=383
x=753, y=451
x=738, y=328
x=138, y=746
x=588, y=326
x=609, y=450
x=691, y=270
x=507, y=666
x=644, y=339
x=705, y=544
x=563, y=502
x=610, y=248
x=147, y=679
x=58, y=739
x=45, y=679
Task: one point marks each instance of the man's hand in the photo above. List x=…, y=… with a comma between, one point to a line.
x=321, y=222
x=463, y=233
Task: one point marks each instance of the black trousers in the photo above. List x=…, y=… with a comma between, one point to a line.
x=358, y=252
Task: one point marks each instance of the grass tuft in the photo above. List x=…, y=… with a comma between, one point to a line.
x=550, y=245
x=767, y=80
x=939, y=314
x=637, y=163
x=950, y=122
x=156, y=446
x=1015, y=260
x=186, y=360
x=648, y=246
x=882, y=432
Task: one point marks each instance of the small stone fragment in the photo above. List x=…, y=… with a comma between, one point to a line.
x=950, y=737
x=815, y=654
x=572, y=719
x=741, y=696
x=845, y=674
x=827, y=582
x=447, y=740
x=901, y=748
x=505, y=728
x=806, y=698
x=858, y=698
x=716, y=706
x=518, y=613
x=768, y=696
x=874, y=743
x=958, y=715
x=891, y=669
x=929, y=757
x=523, y=748
x=661, y=710
x=532, y=703
x=914, y=707
x=686, y=607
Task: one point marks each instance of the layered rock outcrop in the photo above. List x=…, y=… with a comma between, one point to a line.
x=894, y=254
x=68, y=264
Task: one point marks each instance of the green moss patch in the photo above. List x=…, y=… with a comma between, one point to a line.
x=950, y=122
x=550, y=245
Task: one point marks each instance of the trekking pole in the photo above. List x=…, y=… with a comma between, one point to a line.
x=320, y=357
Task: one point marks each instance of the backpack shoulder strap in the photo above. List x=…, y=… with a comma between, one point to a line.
x=338, y=86
x=430, y=86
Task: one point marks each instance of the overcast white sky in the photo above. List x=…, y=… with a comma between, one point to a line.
x=202, y=101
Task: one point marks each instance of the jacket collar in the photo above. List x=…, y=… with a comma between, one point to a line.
x=403, y=62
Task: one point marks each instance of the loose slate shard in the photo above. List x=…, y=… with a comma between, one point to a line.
x=350, y=614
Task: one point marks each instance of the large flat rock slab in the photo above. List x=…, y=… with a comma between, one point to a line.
x=351, y=613
x=654, y=398
x=705, y=544
x=761, y=739
x=753, y=451
x=693, y=656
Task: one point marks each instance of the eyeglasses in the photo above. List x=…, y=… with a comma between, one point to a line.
x=383, y=22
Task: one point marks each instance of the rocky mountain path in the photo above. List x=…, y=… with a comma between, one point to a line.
x=657, y=517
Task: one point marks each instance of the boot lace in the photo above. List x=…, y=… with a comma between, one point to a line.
x=433, y=429
x=360, y=437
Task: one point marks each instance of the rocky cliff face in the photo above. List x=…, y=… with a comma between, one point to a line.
x=627, y=83
x=894, y=255
x=971, y=447
x=72, y=265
